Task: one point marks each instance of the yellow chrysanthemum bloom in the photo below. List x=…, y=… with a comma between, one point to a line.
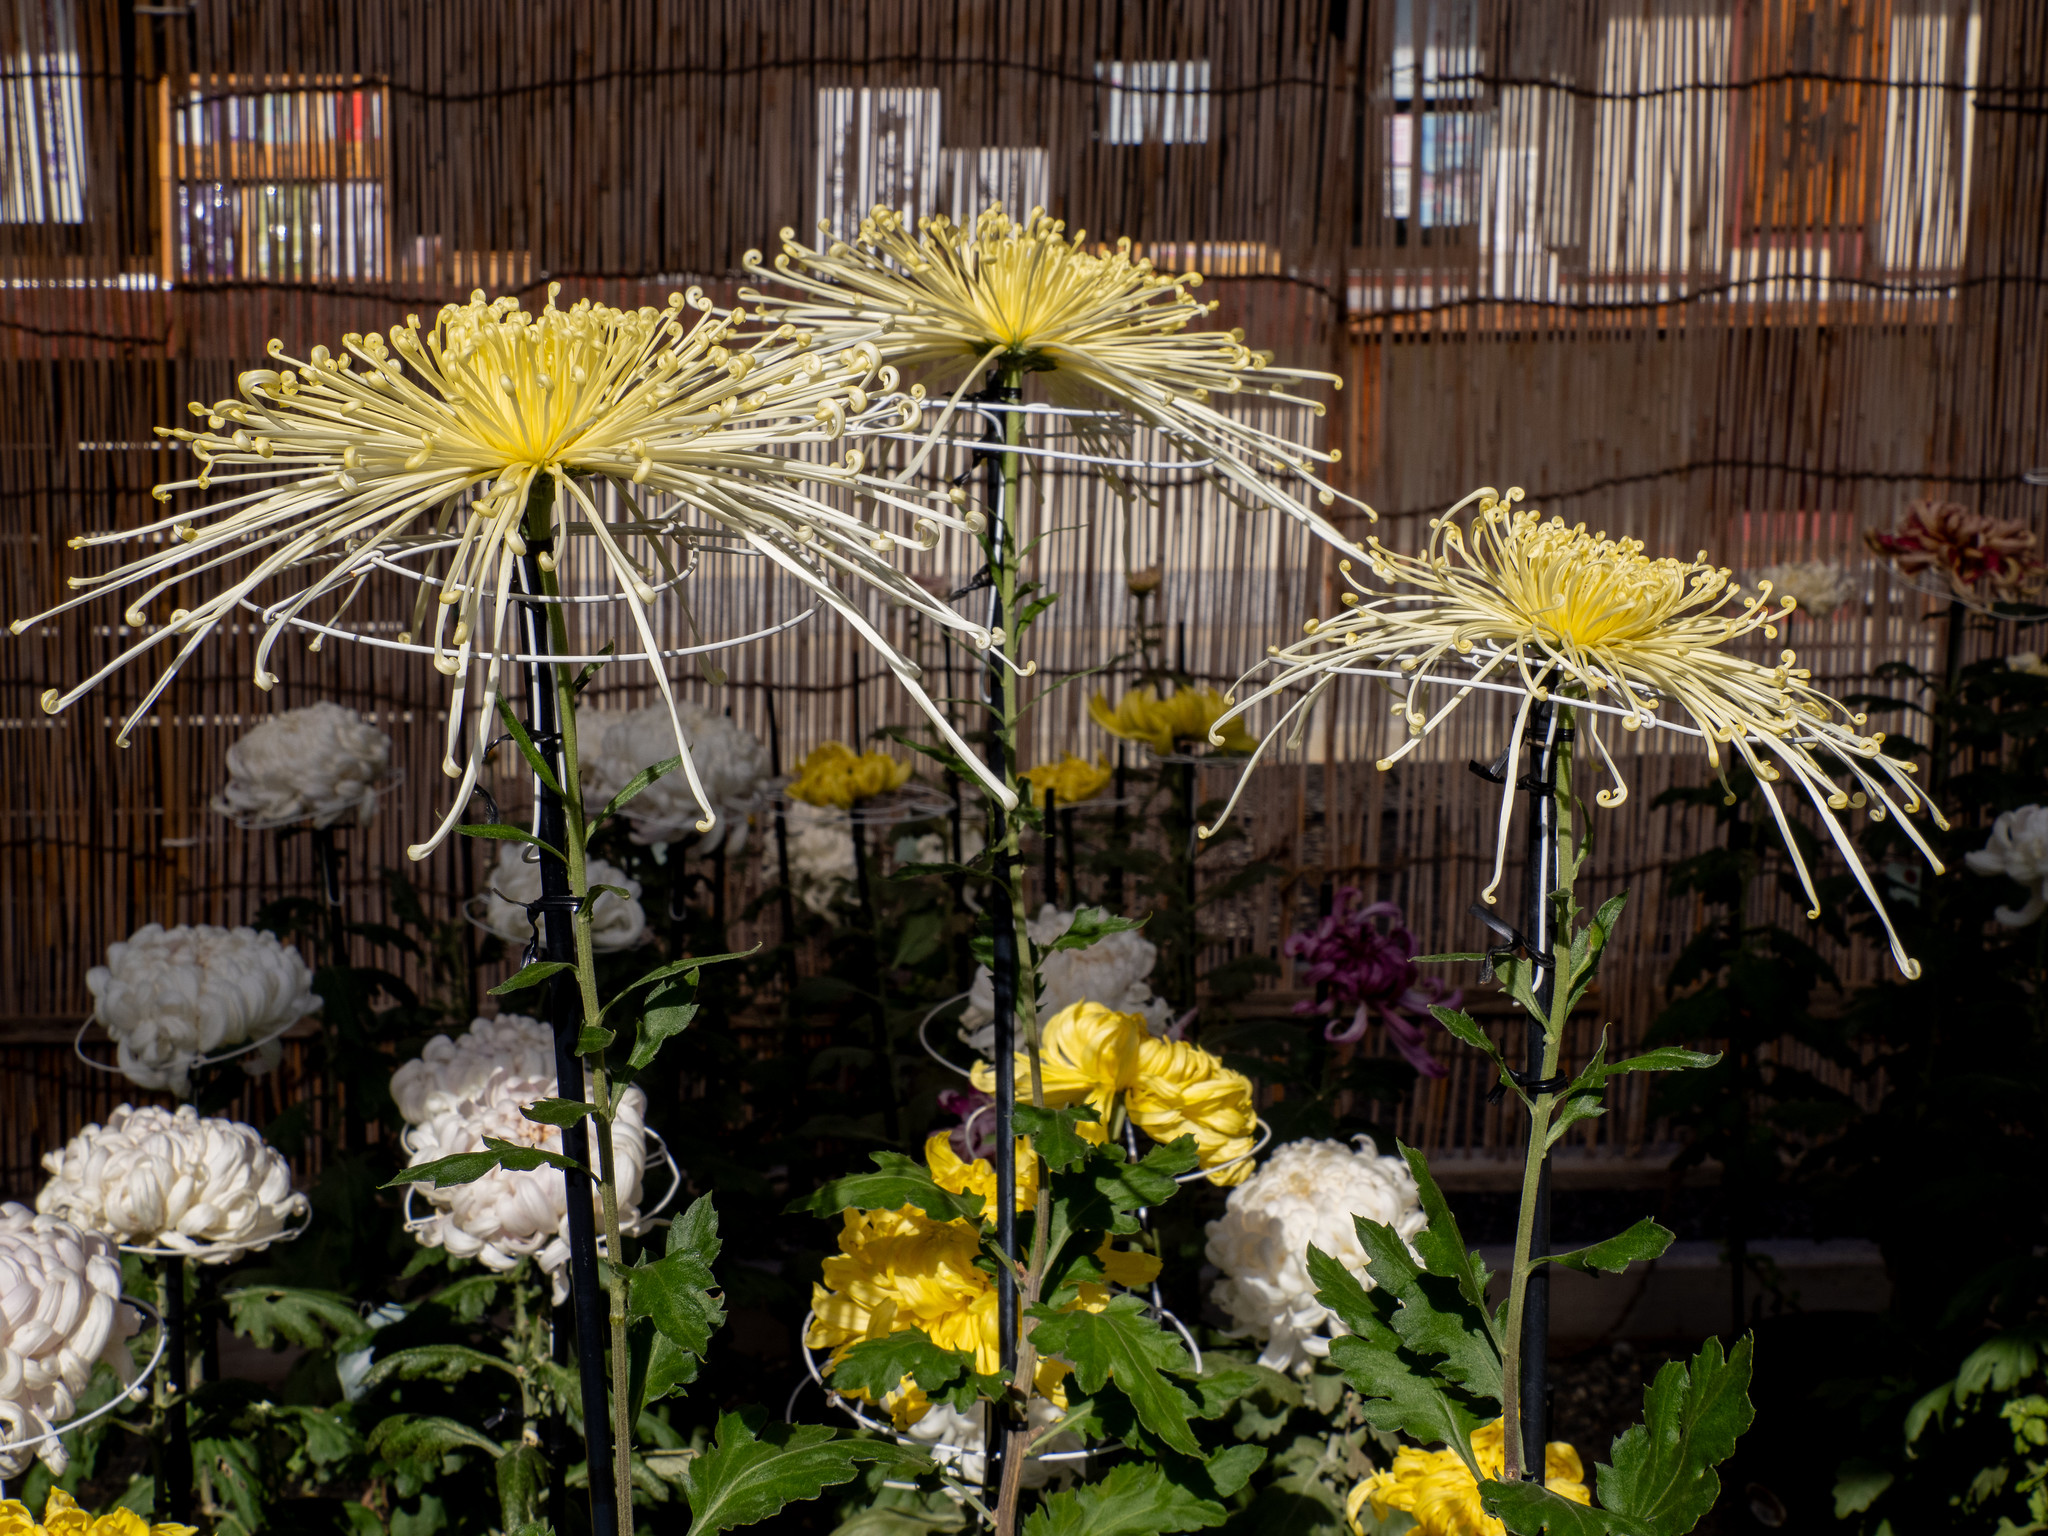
x=1132, y=1268
x=1072, y=779
x=1185, y=717
x=955, y=1174
x=1595, y=622
x=413, y=456
x=1022, y=294
x=834, y=774
x=1182, y=1090
x=1089, y=1054
x=62, y=1517
x=1438, y=1490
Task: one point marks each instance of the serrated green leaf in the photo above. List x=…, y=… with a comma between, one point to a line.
x=468, y=1167
x=1639, y=1244
x=1402, y=1394
x=878, y=1366
x=1124, y=1343
x=1858, y=1485
x=1530, y=1509
x=1931, y=1406
x=1127, y=1188
x=1467, y=1029
x=1663, y=1478
x=678, y=1290
x=1091, y=925
x=1054, y=1136
x=522, y=1487
x=530, y=976
x=267, y=1315
x=753, y=1472
x=1569, y=1114
x=1431, y=1316
x=1440, y=1243
x=590, y=1039
x=432, y=1362
x=1666, y=1058
x=897, y=1181
x=660, y=1021
x=1131, y=1500
x=416, y=1443
x=557, y=1112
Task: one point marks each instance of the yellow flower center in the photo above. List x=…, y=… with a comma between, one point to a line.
x=1586, y=591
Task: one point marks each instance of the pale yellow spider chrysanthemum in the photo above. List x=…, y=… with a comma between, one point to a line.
x=427, y=446
x=1002, y=292
x=1595, y=622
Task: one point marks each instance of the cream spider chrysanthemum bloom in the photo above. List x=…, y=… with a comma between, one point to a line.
x=427, y=443
x=1004, y=292
x=1605, y=628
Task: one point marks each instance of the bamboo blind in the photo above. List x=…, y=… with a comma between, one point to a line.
x=1734, y=275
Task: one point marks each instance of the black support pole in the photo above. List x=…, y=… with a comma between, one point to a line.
x=174, y=1464
x=565, y=1019
x=1003, y=968
x=1546, y=735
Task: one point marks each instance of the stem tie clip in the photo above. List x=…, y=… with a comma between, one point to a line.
x=1530, y=1084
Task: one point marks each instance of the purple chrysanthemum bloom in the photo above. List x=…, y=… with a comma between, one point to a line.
x=974, y=1137
x=1370, y=970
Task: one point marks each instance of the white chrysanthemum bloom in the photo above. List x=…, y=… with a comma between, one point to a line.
x=731, y=763
x=424, y=445
x=1545, y=610
x=169, y=996
x=509, y=1215
x=321, y=764
x=616, y=922
x=959, y=1441
x=2028, y=662
x=456, y=1067
x=60, y=1315
x=1083, y=322
x=823, y=873
x=155, y=1178
x=1817, y=587
x=1114, y=971
x=2018, y=849
x=1307, y=1192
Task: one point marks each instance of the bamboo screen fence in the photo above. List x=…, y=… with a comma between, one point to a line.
x=1734, y=275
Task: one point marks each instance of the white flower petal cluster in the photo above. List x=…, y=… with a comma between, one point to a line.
x=60, y=1315
x=454, y=1068
x=1819, y=587
x=506, y=1215
x=1113, y=972
x=2028, y=662
x=2018, y=849
x=732, y=764
x=169, y=996
x=321, y=764
x=959, y=1442
x=155, y=1178
x=1308, y=1192
x=822, y=872
x=616, y=922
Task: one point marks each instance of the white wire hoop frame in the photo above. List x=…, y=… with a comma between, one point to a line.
x=206, y=1251
x=78, y=1048
x=414, y=1225
x=130, y=1391
x=913, y=802
x=855, y=1411
x=1119, y=422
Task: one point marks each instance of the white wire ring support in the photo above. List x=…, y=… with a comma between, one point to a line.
x=523, y=658
x=890, y=810
x=852, y=1409
x=222, y=1250
x=78, y=1048
x=128, y=1392
x=1113, y=419
x=414, y=1225
x=925, y=1040
x=1259, y=1144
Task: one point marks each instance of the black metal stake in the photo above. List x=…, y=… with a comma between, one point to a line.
x=174, y=1465
x=564, y=1012
x=1003, y=971
x=1546, y=735
x=1049, y=834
